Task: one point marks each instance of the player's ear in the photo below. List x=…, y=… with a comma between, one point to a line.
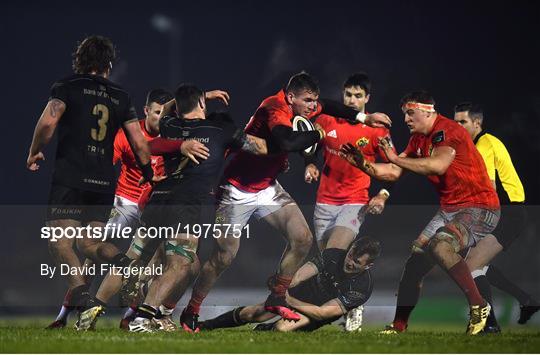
x=368, y=266
x=145, y=109
x=289, y=97
x=202, y=103
x=367, y=98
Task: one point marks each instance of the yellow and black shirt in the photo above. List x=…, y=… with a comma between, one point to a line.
x=498, y=161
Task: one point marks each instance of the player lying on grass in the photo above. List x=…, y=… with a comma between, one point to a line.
x=317, y=297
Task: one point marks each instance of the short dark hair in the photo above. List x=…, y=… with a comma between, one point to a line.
x=187, y=97
x=366, y=245
x=302, y=82
x=94, y=53
x=476, y=112
x=421, y=96
x=359, y=79
x=159, y=96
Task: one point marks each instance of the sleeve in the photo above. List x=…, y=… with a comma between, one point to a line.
x=118, y=146
x=276, y=117
x=356, y=293
x=507, y=173
x=130, y=114
x=486, y=151
x=338, y=109
x=447, y=137
x=59, y=91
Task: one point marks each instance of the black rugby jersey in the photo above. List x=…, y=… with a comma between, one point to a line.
x=217, y=132
x=95, y=109
x=352, y=290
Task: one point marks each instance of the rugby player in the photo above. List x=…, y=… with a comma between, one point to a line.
x=318, y=297
x=126, y=211
x=443, y=151
x=88, y=109
x=177, y=201
x=499, y=164
x=250, y=188
x=343, y=193
x=190, y=149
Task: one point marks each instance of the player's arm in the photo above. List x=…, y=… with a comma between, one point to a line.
x=332, y=308
x=379, y=171
x=436, y=164
x=305, y=272
x=338, y=109
x=294, y=141
x=139, y=146
x=44, y=131
x=252, y=144
x=507, y=173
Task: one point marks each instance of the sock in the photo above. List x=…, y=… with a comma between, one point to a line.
x=278, y=285
x=497, y=279
x=194, y=305
x=79, y=296
x=484, y=288
x=121, y=260
x=66, y=308
x=146, y=311
x=166, y=311
x=410, y=285
x=226, y=320
x=461, y=274
x=130, y=312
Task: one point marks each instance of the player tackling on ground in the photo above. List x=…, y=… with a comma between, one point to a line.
x=318, y=297
x=343, y=193
x=442, y=150
x=250, y=188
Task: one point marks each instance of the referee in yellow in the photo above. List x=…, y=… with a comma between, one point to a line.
x=513, y=215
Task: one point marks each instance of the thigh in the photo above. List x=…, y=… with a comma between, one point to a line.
x=349, y=216
x=65, y=203
x=324, y=218
x=235, y=207
x=478, y=222
x=271, y=200
x=289, y=220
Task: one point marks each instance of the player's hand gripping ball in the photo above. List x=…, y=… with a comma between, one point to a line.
x=302, y=124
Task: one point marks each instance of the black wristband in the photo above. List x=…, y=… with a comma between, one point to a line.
x=147, y=171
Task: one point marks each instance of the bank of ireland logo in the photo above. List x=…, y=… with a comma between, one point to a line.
x=362, y=142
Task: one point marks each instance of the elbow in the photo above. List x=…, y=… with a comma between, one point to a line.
x=286, y=146
x=439, y=170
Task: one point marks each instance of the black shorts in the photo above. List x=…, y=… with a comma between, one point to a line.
x=512, y=223
x=81, y=205
x=180, y=210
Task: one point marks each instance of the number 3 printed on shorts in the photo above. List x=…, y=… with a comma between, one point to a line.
x=102, y=112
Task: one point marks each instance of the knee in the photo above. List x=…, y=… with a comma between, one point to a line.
x=223, y=259
x=303, y=240
x=282, y=326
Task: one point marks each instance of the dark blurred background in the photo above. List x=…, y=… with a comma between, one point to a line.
x=487, y=52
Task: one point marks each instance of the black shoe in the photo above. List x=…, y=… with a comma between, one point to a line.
x=189, y=322
x=527, y=311
x=264, y=327
x=491, y=329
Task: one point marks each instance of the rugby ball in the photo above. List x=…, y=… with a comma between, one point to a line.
x=302, y=124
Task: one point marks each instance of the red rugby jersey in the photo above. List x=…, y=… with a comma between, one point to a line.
x=341, y=183
x=130, y=174
x=465, y=183
x=254, y=173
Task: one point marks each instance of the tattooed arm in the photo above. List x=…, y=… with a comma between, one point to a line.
x=254, y=145
x=44, y=131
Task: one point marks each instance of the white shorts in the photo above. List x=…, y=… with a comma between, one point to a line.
x=326, y=217
x=478, y=223
x=237, y=206
x=125, y=213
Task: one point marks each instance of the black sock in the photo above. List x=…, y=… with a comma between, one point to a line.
x=79, y=296
x=482, y=283
x=121, y=260
x=146, y=311
x=497, y=279
x=226, y=320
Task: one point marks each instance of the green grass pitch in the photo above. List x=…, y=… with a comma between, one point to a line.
x=26, y=335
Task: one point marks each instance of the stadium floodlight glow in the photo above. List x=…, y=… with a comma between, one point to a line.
x=163, y=23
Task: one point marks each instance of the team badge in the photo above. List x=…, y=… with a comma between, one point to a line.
x=438, y=137
x=362, y=142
